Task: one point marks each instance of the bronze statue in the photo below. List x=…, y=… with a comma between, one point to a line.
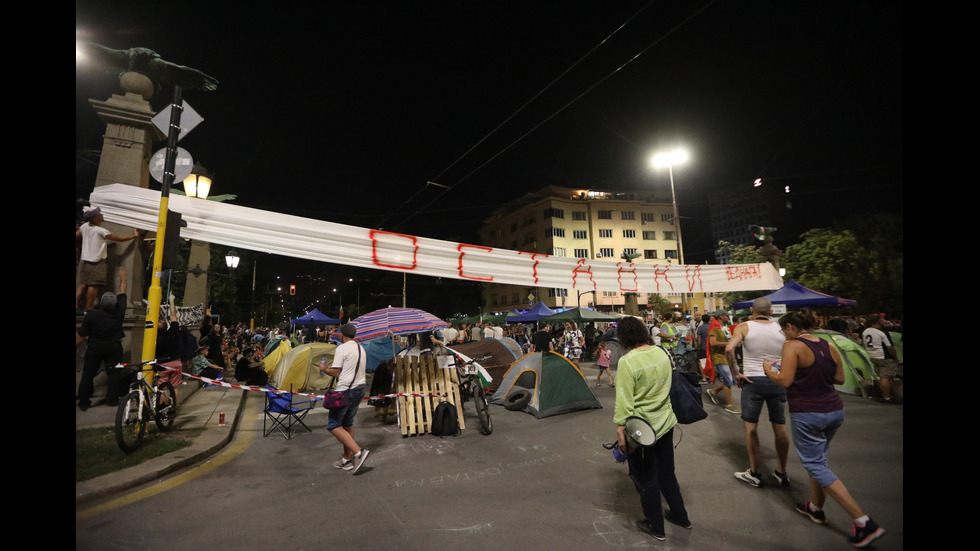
x=149, y=64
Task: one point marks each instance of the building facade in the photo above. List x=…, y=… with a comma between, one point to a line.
x=604, y=226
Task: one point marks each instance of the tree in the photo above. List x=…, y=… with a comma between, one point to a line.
x=836, y=263
x=658, y=304
x=741, y=254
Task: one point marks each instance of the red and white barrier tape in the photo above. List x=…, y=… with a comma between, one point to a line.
x=219, y=382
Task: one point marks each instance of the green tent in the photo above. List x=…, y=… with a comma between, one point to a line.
x=858, y=368
x=579, y=316
x=555, y=385
x=897, y=342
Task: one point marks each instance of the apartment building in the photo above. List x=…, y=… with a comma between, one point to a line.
x=581, y=223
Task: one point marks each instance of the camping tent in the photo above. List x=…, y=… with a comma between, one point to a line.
x=857, y=363
x=579, y=315
x=794, y=295
x=539, y=311
x=379, y=350
x=276, y=349
x=315, y=317
x=502, y=356
x=556, y=385
x=298, y=370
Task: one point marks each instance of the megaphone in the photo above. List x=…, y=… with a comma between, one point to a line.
x=640, y=432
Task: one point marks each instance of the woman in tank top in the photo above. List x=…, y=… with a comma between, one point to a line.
x=809, y=368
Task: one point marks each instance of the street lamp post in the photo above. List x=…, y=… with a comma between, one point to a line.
x=660, y=160
x=669, y=160
x=580, y=293
x=251, y=321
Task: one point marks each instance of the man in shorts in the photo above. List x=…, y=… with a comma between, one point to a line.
x=718, y=337
x=348, y=368
x=879, y=346
x=92, y=269
x=760, y=338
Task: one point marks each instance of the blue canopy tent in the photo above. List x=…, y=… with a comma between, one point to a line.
x=539, y=311
x=794, y=295
x=314, y=318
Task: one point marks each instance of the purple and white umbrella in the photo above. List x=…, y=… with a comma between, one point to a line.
x=393, y=321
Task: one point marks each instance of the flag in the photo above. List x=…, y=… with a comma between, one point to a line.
x=341, y=317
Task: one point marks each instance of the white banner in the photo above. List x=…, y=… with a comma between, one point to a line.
x=282, y=234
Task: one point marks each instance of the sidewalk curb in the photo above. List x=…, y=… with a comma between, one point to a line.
x=208, y=444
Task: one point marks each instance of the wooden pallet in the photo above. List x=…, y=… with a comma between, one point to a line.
x=421, y=385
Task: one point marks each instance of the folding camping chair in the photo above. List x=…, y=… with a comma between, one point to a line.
x=282, y=413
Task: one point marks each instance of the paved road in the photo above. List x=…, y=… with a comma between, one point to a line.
x=534, y=483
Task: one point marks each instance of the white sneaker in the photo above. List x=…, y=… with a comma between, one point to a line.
x=359, y=459
x=345, y=464
x=750, y=478
x=713, y=397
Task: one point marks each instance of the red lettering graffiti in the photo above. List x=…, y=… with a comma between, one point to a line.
x=534, y=267
x=461, y=253
x=619, y=277
x=693, y=276
x=375, y=257
x=587, y=270
x=661, y=270
x=743, y=272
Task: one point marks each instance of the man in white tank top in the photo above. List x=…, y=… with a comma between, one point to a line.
x=760, y=337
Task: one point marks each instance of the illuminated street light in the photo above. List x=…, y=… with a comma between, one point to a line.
x=198, y=184
x=668, y=160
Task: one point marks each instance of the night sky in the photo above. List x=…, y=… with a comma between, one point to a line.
x=343, y=111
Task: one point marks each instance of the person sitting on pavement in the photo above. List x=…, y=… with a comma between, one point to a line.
x=202, y=365
x=250, y=369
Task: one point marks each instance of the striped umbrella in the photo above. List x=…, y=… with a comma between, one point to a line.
x=393, y=321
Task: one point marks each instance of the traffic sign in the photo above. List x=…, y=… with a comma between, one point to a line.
x=189, y=119
x=183, y=165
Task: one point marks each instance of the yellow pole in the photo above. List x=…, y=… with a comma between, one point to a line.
x=154, y=293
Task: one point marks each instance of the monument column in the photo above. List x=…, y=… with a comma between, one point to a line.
x=126, y=151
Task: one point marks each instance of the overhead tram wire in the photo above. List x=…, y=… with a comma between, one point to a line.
x=567, y=105
x=505, y=121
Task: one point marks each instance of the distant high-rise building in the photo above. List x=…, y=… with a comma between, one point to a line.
x=731, y=212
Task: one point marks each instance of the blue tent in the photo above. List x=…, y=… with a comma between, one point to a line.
x=379, y=350
x=539, y=311
x=794, y=295
x=315, y=317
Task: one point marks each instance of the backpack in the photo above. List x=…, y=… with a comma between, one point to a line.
x=444, y=420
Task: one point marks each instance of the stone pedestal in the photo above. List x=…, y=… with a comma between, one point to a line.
x=126, y=152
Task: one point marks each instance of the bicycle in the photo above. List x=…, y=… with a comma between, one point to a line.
x=144, y=401
x=471, y=386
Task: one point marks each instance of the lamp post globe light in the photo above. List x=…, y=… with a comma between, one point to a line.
x=198, y=184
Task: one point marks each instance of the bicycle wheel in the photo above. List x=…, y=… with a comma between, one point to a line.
x=130, y=427
x=166, y=406
x=684, y=365
x=482, y=409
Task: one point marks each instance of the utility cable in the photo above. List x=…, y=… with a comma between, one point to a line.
x=567, y=105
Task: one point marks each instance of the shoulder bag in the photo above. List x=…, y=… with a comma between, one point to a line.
x=685, y=398
x=338, y=399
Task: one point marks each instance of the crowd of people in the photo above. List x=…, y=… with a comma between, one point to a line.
x=777, y=363
x=782, y=366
